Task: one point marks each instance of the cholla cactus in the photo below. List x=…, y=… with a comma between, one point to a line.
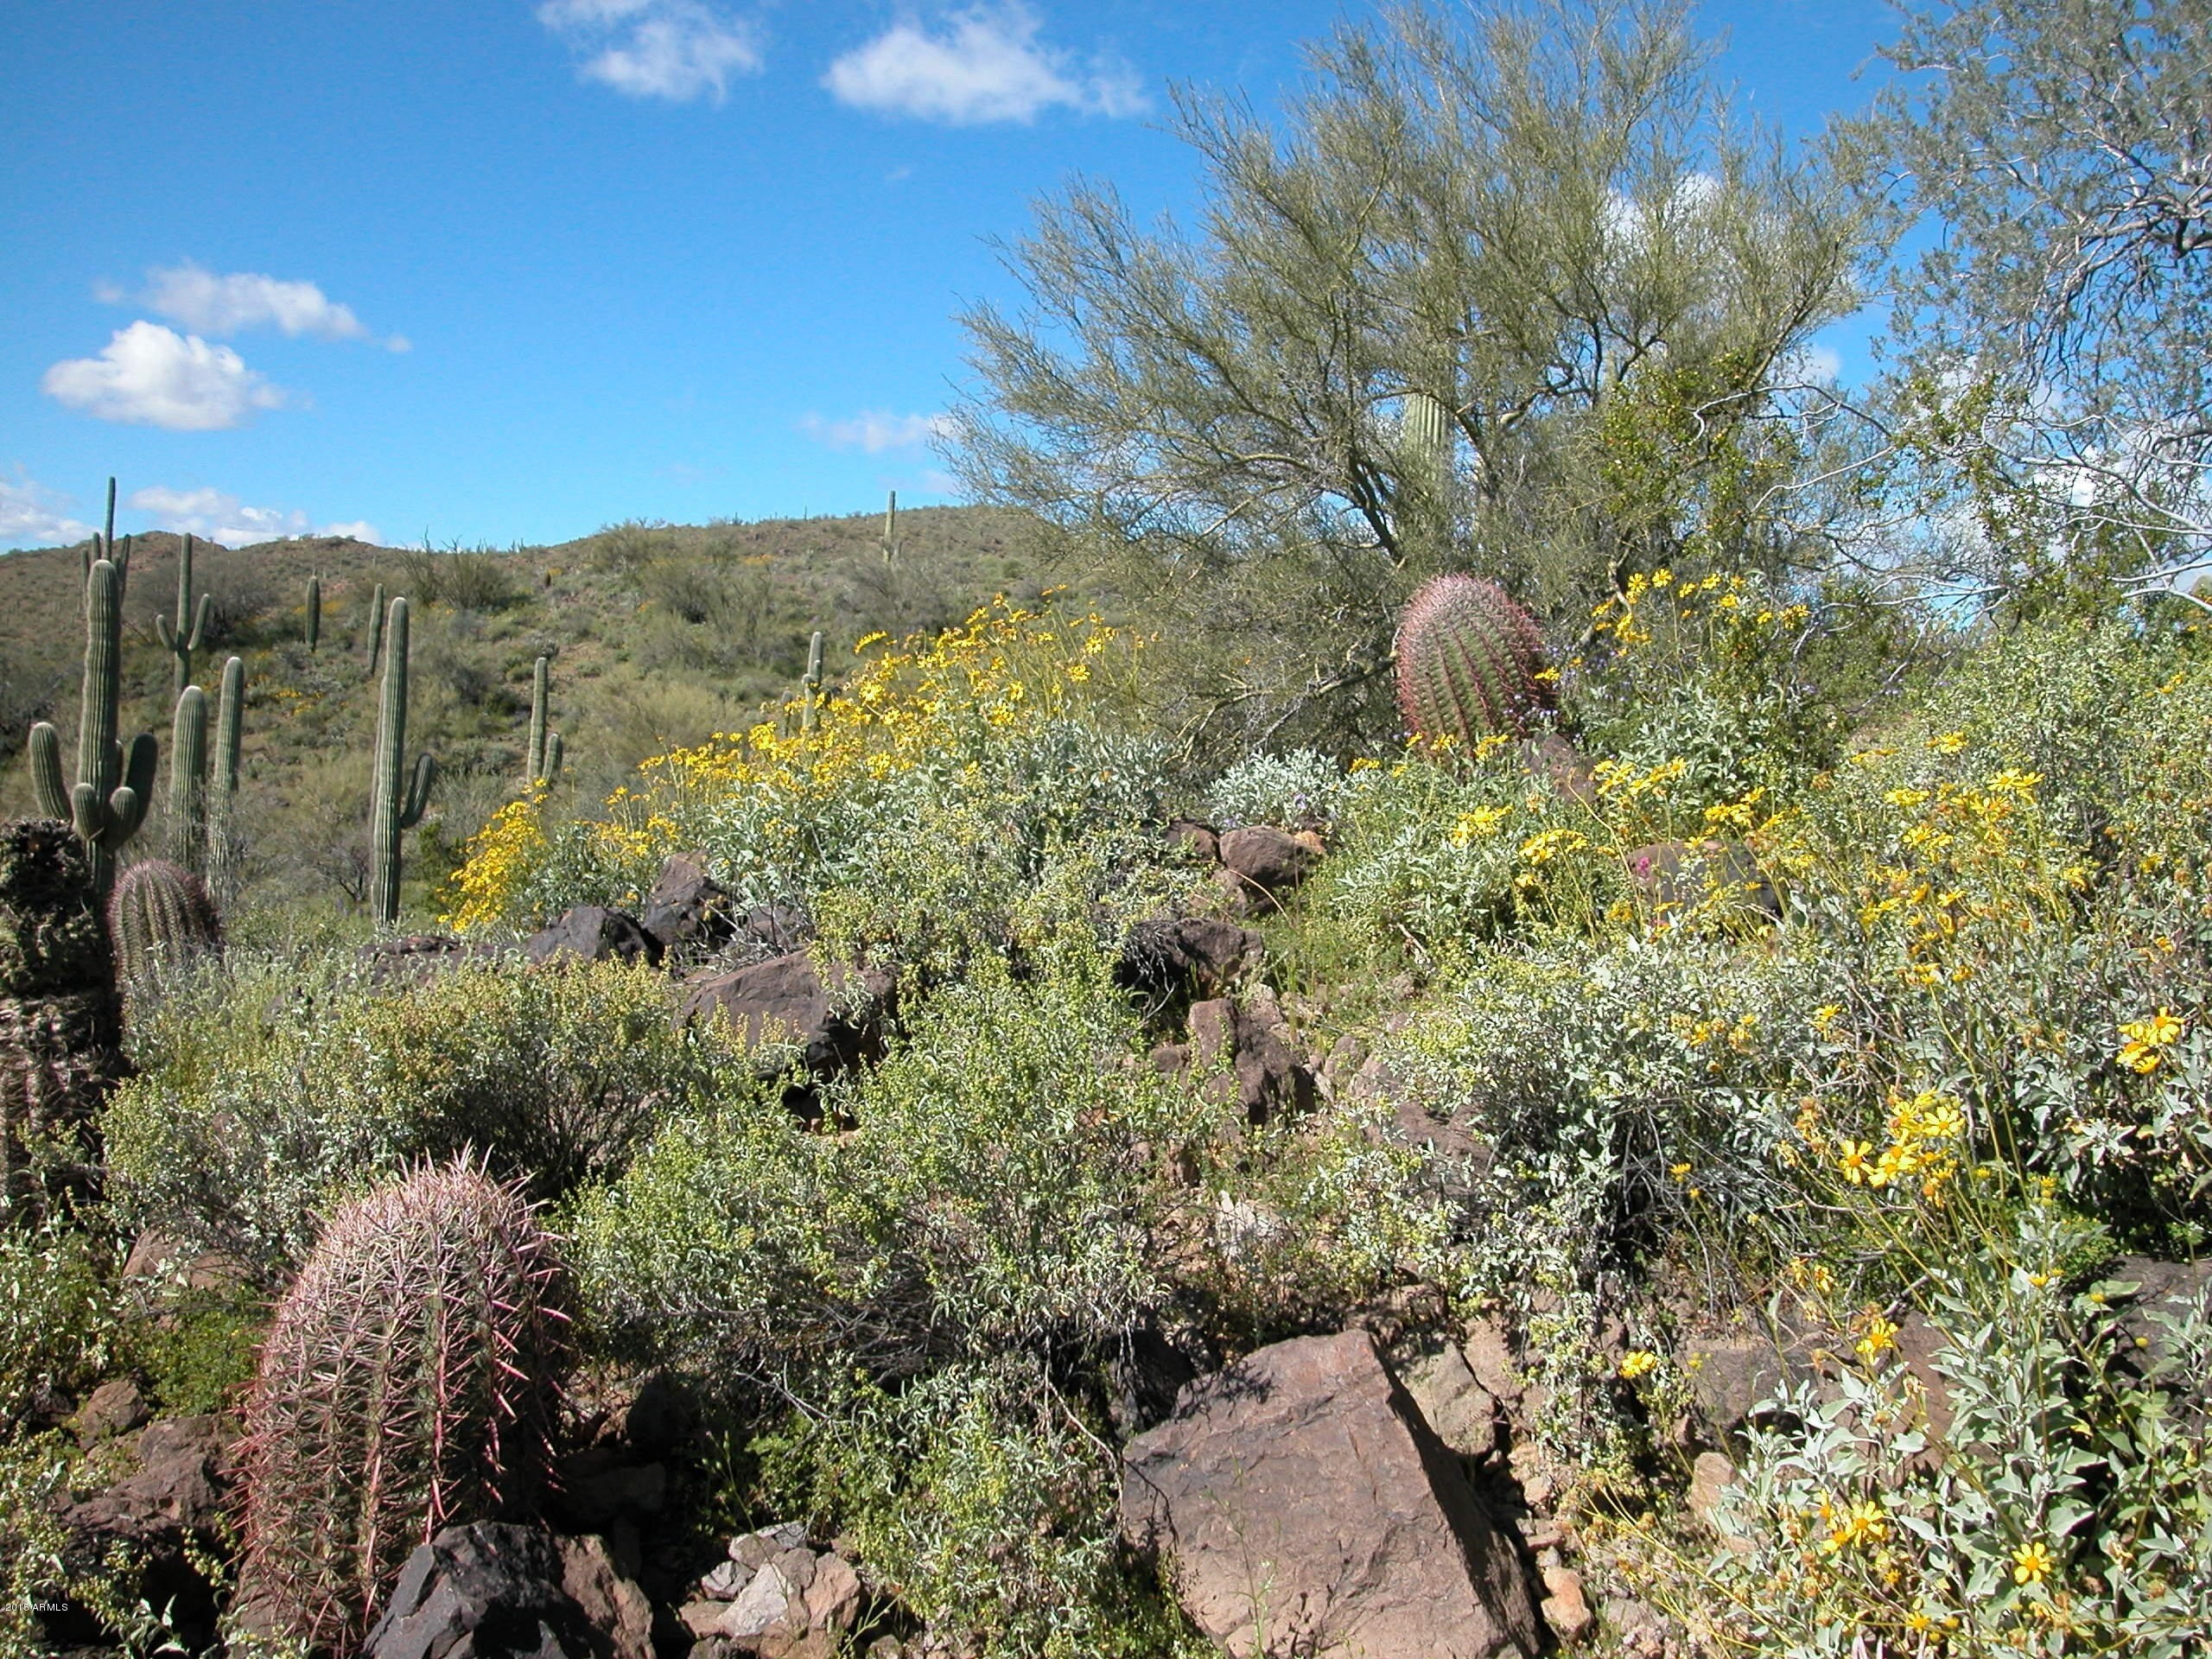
x=60, y=1022
x=408, y=1383
x=161, y=916
x=1470, y=661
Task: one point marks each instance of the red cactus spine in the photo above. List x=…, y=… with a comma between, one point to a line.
x=1470, y=661
x=408, y=1382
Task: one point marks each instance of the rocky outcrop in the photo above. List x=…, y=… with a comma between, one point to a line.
x=1305, y=1506
x=1173, y=960
x=166, y=1511
x=593, y=933
x=413, y=957
x=490, y=1590
x=782, y=1009
x=1251, y=1045
x=774, y=1597
x=688, y=911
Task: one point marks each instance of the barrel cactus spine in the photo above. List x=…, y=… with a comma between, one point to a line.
x=182, y=640
x=60, y=1019
x=161, y=917
x=1469, y=663
x=542, y=766
x=410, y=1381
x=114, y=786
x=397, y=801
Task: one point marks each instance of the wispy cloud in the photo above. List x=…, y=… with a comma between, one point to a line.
x=672, y=50
x=985, y=64
x=222, y=304
x=220, y=516
x=877, y=429
x=32, y=516
x=152, y=375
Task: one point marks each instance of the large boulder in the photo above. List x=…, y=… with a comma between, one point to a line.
x=490, y=1590
x=1272, y=860
x=784, y=1006
x=166, y=1510
x=1305, y=1507
x=594, y=933
x=688, y=911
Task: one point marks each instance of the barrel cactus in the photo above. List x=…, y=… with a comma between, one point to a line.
x=1470, y=662
x=161, y=916
x=408, y=1383
x=60, y=1022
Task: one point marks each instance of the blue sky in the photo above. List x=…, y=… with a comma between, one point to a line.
x=511, y=270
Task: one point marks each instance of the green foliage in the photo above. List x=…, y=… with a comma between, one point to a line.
x=57, y=1319
x=408, y=1382
x=268, y=1090
x=1469, y=663
x=1298, y=790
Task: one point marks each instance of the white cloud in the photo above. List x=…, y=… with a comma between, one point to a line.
x=218, y=304
x=209, y=304
x=1814, y=362
x=221, y=517
x=987, y=64
x=676, y=49
x=878, y=429
x=154, y=376
x=31, y=516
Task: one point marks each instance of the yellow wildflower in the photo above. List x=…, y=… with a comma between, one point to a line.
x=2032, y=1563
x=1638, y=1361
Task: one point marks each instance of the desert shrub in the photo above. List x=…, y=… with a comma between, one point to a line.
x=1298, y=790
x=2063, y=1509
x=57, y=1319
x=1000, y=721
x=461, y=579
x=263, y=1099
x=1706, y=674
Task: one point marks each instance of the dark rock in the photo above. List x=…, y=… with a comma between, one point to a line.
x=594, y=933
x=614, y=1607
x=169, y=1511
x=779, y=1005
x=1721, y=877
x=599, y=1484
x=1269, y=1077
x=1459, y=1411
x=1173, y=960
x=115, y=1407
x=490, y=1590
x=777, y=928
x=1308, y=1507
x=2160, y=1290
x=1147, y=1374
x=1273, y=861
x=688, y=911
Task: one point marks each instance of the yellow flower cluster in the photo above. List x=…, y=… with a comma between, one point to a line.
x=501, y=857
x=1735, y=601
x=2144, y=1042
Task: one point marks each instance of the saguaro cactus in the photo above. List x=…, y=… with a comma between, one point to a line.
x=376, y=627
x=396, y=803
x=161, y=916
x=189, y=780
x=108, y=801
x=809, y=686
x=314, y=613
x=890, y=529
x=1468, y=662
x=105, y=546
x=223, y=793
x=181, y=641
x=542, y=766
x=408, y=1383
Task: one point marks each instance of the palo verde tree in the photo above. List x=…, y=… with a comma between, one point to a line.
x=1397, y=342
x=2053, y=342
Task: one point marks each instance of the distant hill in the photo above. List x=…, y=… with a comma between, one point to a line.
x=658, y=634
